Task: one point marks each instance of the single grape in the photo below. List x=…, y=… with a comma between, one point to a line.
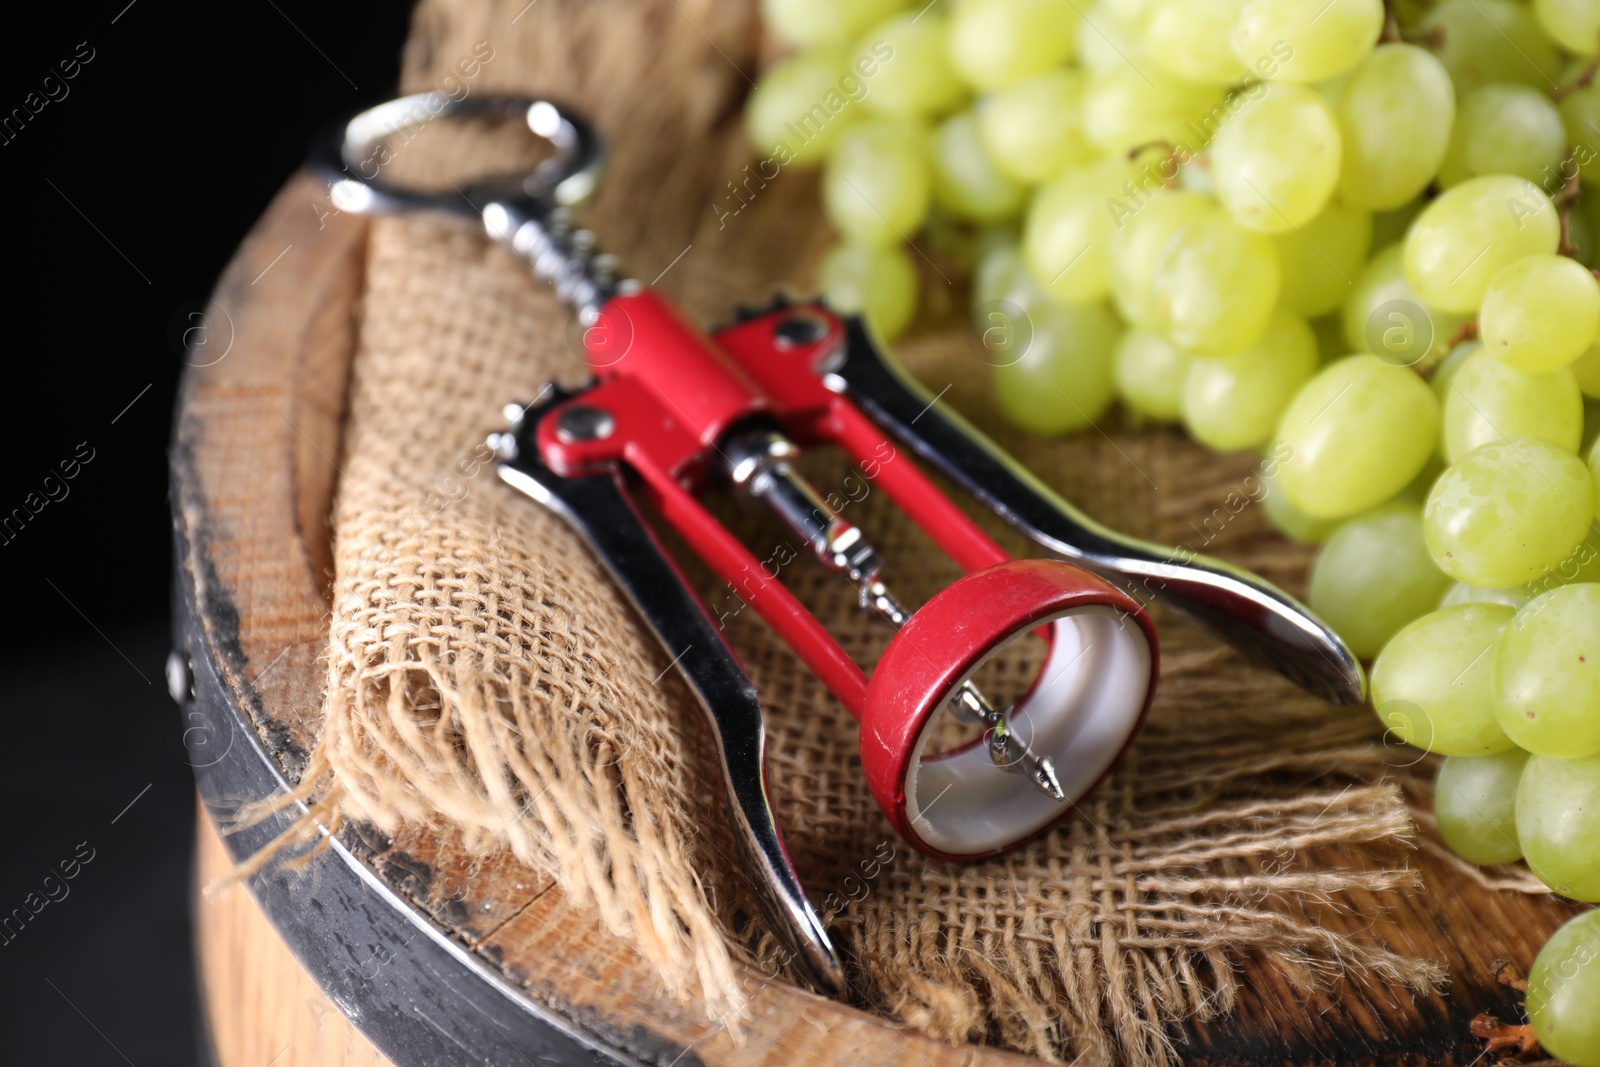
x=1138, y=243
x=1475, y=806
x=1572, y=24
x=1505, y=512
x=1033, y=130
x=1488, y=401
x=1109, y=38
x=1357, y=433
x=1461, y=593
x=1215, y=285
x=1474, y=231
x=917, y=81
x=1385, y=316
x=1481, y=41
x=1150, y=374
x=1067, y=235
x=966, y=184
x=1126, y=107
x=787, y=117
x=1232, y=402
x=1564, y=987
x=1322, y=259
x=1540, y=313
x=1191, y=41
x=878, y=281
x=1062, y=382
x=1306, y=40
x=1371, y=578
x=1395, y=113
x=995, y=43
x=1290, y=520
x=1431, y=683
x=808, y=23
x=1276, y=162
x=1558, y=824
x=878, y=185
x=1504, y=129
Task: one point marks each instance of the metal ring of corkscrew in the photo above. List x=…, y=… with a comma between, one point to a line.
x=531, y=212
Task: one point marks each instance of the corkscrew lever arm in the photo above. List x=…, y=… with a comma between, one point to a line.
x=602, y=512
x=1247, y=612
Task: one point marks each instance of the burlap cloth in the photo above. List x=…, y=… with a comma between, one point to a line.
x=487, y=680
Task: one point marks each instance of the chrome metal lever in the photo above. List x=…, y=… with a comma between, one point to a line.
x=601, y=511
x=1247, y=612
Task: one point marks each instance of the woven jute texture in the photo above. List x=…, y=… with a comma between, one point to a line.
x=485, y=678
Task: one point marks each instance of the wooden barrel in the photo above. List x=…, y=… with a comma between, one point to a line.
x=403, y=951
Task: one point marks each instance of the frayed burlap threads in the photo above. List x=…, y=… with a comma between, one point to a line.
x=485, y=679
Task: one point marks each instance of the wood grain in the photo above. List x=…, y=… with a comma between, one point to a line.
x=261, y=1008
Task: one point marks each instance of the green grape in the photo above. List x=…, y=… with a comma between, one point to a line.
x=918, y=81
x=1586, y=369
x=1384, y=313
x=1504, y=129
x=1373, y=577
x=1002, y=275
x=1233, y=402
x=966, y=184
x=1306, y=40
x=1109, y=38
x=1540, y=313
x=877, y=186
x=1504, y=513
x=812, y=22
x=1062, y=382
x=1276, y=162
x=1290, y=520
x=1067, y=235
x=1481, y=41
x=1215, y=285
x=1150, y=373
x=1357, y=434
x=1191, y=40
x=788, y=116
x=1474, y=231
x=1461, y=593
x=1572, y=24
x=1395, y=113
x=995, y=43
x=1126, y=107
x=1033, y=130
x=1138, y=243
x=1322, y=259
x=1475, y=806
x=1430, y=684
x=1564, y=987
x=1488, y=401
x=1557, y=803
x=878, y=281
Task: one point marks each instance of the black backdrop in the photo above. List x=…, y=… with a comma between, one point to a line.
x=127, y=185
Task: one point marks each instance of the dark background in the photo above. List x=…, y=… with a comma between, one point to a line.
x=123, y=200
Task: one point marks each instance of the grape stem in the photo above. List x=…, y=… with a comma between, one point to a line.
x=1501, y=1035
x=1391, y=24
x=1172, y=162
x=1584, y=79
x=1564, y=199
x=1467, y=332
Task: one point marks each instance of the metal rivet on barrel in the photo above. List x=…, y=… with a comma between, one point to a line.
x=578, y=423
x=180, y=677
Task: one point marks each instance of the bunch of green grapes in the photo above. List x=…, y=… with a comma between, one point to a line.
x=1351, y=235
